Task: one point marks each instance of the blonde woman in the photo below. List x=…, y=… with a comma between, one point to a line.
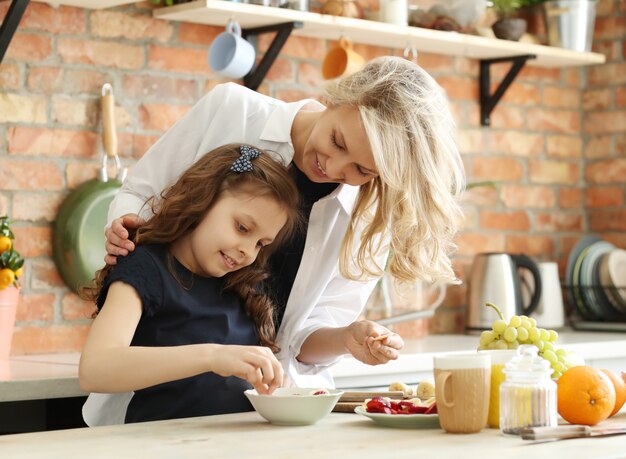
x=377, y=169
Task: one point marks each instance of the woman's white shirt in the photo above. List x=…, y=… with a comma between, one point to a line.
x=320, y=296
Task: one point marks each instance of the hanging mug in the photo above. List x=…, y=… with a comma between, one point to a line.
x=230, y=54
x=341, y=60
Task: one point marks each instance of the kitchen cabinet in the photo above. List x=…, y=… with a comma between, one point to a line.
x=255, y=19
x=40, y=392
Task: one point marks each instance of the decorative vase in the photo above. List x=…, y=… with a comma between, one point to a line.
x=9, y=297
x=509, y=28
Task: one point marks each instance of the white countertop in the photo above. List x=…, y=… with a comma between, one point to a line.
x=42, y=376
x=416, y=359
x=339, y=435
x=56, y=375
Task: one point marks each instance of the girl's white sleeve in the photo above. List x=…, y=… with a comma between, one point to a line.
x=166, y=160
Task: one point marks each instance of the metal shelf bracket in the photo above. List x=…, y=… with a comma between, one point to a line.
x=255, y=77
x=10, y=23
x=489, y=101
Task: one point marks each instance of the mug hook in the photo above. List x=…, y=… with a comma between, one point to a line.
x=410, y=53
x=233, y=26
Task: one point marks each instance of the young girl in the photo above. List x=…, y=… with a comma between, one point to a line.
x=182, y=321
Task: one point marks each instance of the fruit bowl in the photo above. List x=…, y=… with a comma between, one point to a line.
x=294, y=406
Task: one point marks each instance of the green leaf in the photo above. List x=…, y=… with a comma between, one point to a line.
x=4, y=259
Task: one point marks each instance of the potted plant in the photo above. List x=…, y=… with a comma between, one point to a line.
x=508, y=27
x=11, y=270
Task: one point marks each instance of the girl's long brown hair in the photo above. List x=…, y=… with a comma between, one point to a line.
x=182, y=206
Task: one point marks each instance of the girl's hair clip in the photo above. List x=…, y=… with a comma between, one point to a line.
x=244, y=162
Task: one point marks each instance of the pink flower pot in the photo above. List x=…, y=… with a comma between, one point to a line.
x=9, y=298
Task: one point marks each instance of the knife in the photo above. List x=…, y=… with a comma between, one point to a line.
x=566, y=432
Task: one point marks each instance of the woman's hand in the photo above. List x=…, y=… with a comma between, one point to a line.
x=117, y=243
x=255, y=364
x=371, y=343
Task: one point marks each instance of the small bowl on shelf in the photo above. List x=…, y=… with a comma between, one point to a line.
x=294, y=406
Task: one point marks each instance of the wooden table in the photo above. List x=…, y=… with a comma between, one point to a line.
x=247, y=435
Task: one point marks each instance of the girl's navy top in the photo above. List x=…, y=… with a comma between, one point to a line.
x=190, y=310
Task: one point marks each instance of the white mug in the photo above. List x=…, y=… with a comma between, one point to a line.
x=230, y=54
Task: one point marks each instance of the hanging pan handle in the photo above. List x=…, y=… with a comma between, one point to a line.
x=109, y=135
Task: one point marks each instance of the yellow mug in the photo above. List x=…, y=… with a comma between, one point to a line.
x=498, y=359
x=341, y=61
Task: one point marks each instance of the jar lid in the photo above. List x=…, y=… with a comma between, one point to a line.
x=527, y=365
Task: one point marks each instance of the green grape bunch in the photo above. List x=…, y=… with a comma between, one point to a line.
x=523, y=330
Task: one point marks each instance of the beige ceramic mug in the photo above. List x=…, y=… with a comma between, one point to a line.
x=462, y=384
x=342, y=60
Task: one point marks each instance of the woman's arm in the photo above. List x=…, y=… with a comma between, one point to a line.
x=109, y=364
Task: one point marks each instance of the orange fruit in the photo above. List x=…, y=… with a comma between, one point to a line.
x=585, y=395
x=620, y=390
x=7, y=276
x=19, y=272
x=5, y=243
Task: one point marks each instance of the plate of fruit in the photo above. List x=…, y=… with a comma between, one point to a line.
x=413, y=413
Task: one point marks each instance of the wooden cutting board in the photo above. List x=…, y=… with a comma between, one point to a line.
x=346, y=407
x=350, y=400
x=360, y=396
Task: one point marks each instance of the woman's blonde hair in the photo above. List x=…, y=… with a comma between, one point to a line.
x=181, y=207
x=411, y=132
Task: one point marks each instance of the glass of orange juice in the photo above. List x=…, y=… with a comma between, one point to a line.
x=498, y=359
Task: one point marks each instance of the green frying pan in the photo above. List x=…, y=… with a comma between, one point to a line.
x=78, y=237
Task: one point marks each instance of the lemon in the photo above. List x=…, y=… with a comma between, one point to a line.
x=7, y=277
x=5, y=243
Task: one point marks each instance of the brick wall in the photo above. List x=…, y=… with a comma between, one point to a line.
x=557, y=142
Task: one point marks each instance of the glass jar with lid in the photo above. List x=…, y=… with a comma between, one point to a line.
x=528, y=394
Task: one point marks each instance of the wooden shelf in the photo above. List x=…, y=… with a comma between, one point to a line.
x=91, y=4
x=217, y=12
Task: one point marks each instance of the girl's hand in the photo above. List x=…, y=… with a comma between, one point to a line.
x=255, y=364
x=117, y=243
x=372, y=343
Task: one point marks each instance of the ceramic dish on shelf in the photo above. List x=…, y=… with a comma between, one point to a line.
x=406, y=421
x=590, y=285
x=587, y=312
x=613, y=314
x=617, y=271
x=569, y=271
x=612, y=272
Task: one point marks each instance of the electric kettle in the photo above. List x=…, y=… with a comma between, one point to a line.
x=494, y=278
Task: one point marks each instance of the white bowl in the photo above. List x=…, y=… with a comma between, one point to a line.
x=293, y=406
